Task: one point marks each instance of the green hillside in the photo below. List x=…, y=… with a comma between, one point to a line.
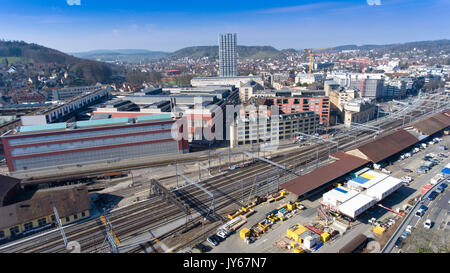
x=90, y=71
x=246, y=52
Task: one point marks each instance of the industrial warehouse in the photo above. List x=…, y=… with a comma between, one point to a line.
x=90, y=142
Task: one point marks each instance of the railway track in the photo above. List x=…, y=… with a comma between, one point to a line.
x=135, y=218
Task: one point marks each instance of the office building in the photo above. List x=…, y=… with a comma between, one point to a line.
x=227, y=55
x=287, y=105
x=243, y=131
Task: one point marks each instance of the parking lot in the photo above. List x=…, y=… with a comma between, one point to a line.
x=437, y=237
x=437, y=212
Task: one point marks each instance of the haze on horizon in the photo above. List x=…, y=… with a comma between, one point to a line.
x=83, y=25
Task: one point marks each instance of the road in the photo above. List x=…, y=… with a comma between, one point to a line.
x=437, y=212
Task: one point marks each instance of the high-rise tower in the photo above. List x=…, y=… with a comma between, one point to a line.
x=227, y=55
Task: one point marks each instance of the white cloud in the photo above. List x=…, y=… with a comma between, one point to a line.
x=374, y=2
x=73, y=2
x=298, y=8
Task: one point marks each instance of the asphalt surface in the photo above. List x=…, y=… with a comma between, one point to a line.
x=437, y=212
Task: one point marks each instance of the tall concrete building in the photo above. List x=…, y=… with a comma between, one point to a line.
x=227, y=55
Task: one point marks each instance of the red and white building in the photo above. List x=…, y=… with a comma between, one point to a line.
x=90, y=142
x=289, y=105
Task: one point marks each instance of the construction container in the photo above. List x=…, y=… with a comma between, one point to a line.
x=271, y=213
x=244, y=233
x=310, y=241
x=313, y=229
x=379, y=230
x=283, y=193
x=296, y=235
x=325, y=236
x=290, y=231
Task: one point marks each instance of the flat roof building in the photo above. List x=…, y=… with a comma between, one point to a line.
x=51, y=146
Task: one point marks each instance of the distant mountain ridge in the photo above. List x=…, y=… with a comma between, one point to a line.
x=444, y=43
x=246, y=52
x=125, y=55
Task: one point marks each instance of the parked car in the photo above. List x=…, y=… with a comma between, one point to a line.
x=399, y=242
x=427, y=224
x=407, y=170
x=419, y=212
x=404, y=235
x=439, y=190
x=221, y=234
x=409, y=229
x=423, y=207
x=202, y=248
x=432, y=195
x=443, y=185
x=406, y=178
x=422, y=169
x=212, y=240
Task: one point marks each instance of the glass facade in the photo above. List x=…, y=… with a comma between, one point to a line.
x=228, y=55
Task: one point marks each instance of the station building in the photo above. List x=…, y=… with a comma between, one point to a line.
x=72, y=203
x=51, y=146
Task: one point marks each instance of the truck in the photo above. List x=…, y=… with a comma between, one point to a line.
x=436, y=179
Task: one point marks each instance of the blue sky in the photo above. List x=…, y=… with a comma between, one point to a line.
x=81, y=25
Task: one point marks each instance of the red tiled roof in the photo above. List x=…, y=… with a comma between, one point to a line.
x=310, y=181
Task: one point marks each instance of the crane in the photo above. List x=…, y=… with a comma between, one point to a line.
x=363, y=61
x=310, y=51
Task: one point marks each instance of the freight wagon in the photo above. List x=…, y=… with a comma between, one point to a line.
x=356, y=244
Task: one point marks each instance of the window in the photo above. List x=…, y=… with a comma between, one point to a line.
x=42, y=222
x=67, y=219
x=53, y=218
x=75, y=217
x=2, y=234
x=14, y=231
x=28, y=226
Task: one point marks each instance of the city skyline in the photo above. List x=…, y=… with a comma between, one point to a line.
x=76, y=26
